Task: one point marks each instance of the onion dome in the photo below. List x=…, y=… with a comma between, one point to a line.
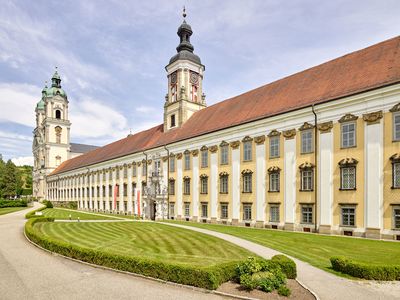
x=40, y=104
x=55, y=88
x=185, y=48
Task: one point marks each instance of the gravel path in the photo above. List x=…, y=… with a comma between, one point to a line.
x=325, y=285
x=26, y=272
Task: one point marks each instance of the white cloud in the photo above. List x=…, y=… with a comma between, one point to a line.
x=91, y=119
x=23, y=160
x=18, y=102
x=145, y=109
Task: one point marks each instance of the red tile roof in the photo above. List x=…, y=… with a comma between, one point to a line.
x=360, y=71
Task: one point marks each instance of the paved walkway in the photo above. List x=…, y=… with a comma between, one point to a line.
x=27, y=272
x=325, y=285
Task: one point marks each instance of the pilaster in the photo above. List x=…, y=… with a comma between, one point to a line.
x=114, y=195
x=101, y=184
x=260, y=182
x=107, y=199
x=235, y=182
x=130, y=204
x=121, y=188
x=179, y=191
x=195, y=182
x=290, y=179
x=213, y=184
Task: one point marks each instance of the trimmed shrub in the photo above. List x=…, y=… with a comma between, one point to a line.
x=363, y=270
x=47, y=203
x=284, y=291
x=287, y=265
x=32, y=214
x=204, y=277
x=13, y=203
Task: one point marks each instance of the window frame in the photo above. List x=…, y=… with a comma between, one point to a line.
x=310, y=141
x=224, y=155
x=307, y=214
x=270, y=175
x=222, y=190
x=349, y=215
x=247, y=213
x=172, y=164
x=271, y=207
x=223, y=216
x=271, y=145
x=187, y=209
x=395, y=164
x=204, y=205
x=395, y=215
x=349, y=188
x=302, y=185
x=172, y=209
x=171, y=186
x=342, y=146
x=247, y=151
x=249, y=186
x=394, y=115
x=204, y=158
x=173, y=121
x=186, y=157
x=186, y=186
x=203, y=185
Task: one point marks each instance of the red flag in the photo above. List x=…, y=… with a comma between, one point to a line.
x=138, y=202
x=115, y=196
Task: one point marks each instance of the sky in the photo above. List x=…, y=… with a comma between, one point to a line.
x=111, y=55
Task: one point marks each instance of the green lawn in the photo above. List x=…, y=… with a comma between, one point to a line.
x=7, y=210
x=154, y=241
x=313, y=248
x=63, y=214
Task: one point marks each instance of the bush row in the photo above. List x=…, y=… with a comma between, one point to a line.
x=366, y=271
x=13, y=203
x=203, y=277
x=31, y=214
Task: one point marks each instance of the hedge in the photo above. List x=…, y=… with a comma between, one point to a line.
x=287, y=265
x=204, y=277
x=363, y=270
x=13, y=203
x=31, y=214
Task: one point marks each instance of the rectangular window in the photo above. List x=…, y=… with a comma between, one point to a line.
x=117, y=174
x=187, y=161
x=171, y=187
x=204, y=158
x=144, y=169
x=247, y=151
x=348, y=216
x=204, y=210
x=307, y=180
x=396, y=217
x=172, y=164
x=224, y=211
x=396, y=175
x=186, y=186
x=224, y=155
x=274, y=182
x=306, y=141
x=187, y=209
x=348, y=178
x=247, y=212
x=133, y=188
x=247, y=186
x=125, y=189
x=173, y=121
x=172, y=209
x=110, y=191
x=134, y=170
x=223, y=186
x=274, y=146
x=306, y=214
x=274, y=213
x=396, y=127
x=125, y=172
x=204, y=185
x=348, y=135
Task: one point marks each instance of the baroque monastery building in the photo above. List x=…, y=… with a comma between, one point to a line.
x=315, y=151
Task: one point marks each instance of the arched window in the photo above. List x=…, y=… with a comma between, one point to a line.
x=58, y=114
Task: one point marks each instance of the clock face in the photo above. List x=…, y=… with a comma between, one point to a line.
x=173, y=78
x=194, y=78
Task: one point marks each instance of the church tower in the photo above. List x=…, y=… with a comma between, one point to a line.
x=51, y=142
x=185, y=77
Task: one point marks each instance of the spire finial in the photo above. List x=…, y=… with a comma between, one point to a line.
x=184, y=12
x=45, y=84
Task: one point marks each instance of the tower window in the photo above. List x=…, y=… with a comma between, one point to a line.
x=58, y=161
x=58, y=114
x=173, y=121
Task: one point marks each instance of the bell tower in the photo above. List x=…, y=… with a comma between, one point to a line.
x=185, y=81
x=51, y=142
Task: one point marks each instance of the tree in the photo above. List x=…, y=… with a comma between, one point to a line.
x=11, y=183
